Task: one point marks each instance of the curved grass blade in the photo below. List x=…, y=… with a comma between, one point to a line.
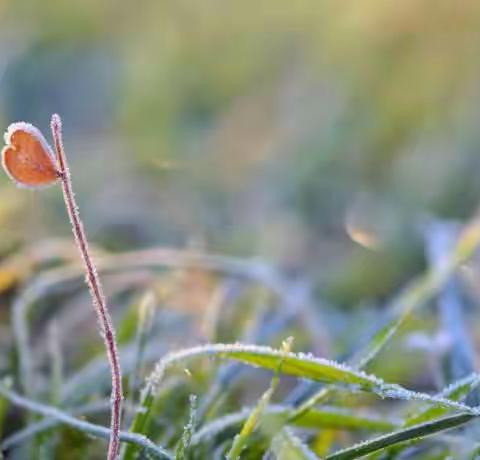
x=440, y=236
x=31, y=430
x=414, y=296
x=266, y=357
x=300, y=365
x=58, y=279
x=85, y=427
x=423, y=290
x=458, y=391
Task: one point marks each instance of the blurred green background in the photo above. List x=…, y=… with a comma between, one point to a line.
x=316, y=135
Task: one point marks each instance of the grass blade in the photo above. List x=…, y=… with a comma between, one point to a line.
x=146, y=308
x=455, y=392
x=299, y=365
x=440, y=236
x=413, y=433
x=423, y=290
x=86, y=427
x=140, y=422
x=286, y=446
x=4, y=404
x=323, y=418
x=240, y=441
x=186, y=439
x=415, y=295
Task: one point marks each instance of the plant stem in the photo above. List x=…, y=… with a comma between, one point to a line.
x=95, y=286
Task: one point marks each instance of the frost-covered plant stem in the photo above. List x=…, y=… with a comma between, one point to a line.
x=95, y=286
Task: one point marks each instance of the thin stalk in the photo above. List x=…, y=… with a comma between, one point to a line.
x=95, y=286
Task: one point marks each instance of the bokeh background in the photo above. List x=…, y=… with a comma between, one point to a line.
x=320, y=136
x=275, y=128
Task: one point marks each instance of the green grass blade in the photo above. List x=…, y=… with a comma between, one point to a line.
x=421, y=291
x=250, y=354
x=140, y=423
x=251, y=422
x=4, y=405
x=144, y=319
x=299, y=365
x=186, y=439
x=324, y=418
x=417, y=294
x=286, y=446
x=455, y=392
x=345, y=419
x=413, y=433
x=142, y=419
x=241, y=440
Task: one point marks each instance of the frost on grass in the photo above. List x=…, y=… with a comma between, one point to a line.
x=300, y=365
x=413, y=433
x=297, y=364
x=457, y=391
x=461, y=387
x=398, y=392
x=188, y=429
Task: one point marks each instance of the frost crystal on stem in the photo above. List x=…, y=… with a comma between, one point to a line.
x=95, y=286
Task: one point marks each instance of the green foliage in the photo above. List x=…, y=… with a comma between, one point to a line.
x=254, y=419
x=412, y=433
x=157, y=417
x=286, y=446
x=309, y=142
x=186, y=439
x=318, y=419
x=4, y=405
